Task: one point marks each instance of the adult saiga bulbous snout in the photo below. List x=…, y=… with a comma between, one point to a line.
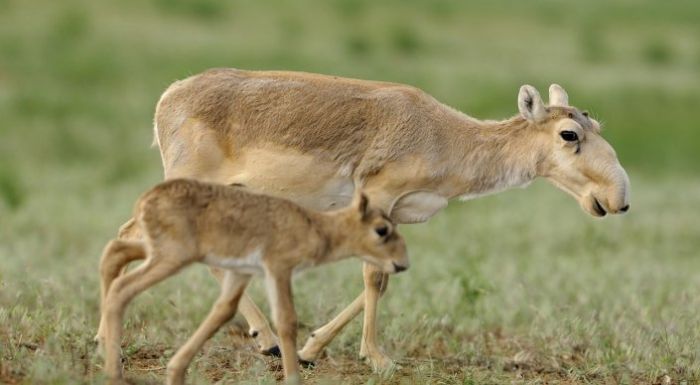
x=621, y=204
x=614, y=199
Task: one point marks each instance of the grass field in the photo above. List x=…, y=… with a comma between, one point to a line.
x=521, y=287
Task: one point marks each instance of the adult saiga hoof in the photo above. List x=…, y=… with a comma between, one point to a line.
x=273, y=351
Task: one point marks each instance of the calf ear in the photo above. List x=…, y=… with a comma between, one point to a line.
x=361, y=203
x=530, y=104
x=557, y=96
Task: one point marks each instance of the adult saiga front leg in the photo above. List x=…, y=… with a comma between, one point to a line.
x=375, y=286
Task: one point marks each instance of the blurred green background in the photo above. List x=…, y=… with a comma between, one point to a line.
x=79, y=81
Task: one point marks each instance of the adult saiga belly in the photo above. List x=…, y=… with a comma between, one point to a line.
x=310, y=180
x=319, y=183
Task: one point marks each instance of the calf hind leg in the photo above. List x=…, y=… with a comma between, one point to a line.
x=116, y=256
x=129, y=230
x=120, y=293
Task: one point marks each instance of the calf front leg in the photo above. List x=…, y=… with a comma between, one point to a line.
x=279, y=290
x=232, y=288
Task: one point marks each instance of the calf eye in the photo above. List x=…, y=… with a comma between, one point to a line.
x=382, y=231
x=569, y=136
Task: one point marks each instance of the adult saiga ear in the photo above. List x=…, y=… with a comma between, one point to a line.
x=530, y=104
x=557, y=96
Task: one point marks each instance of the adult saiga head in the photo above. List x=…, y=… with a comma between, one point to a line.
x=575, y=157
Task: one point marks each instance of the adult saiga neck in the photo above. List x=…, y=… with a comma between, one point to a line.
x=490, y=156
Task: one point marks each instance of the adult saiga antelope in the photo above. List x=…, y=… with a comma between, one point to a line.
x=315, y=139
x=184, y=221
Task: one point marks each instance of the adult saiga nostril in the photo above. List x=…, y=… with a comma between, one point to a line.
x=624, y=209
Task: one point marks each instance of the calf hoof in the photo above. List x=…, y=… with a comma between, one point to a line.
x=273, y=351
x=307, y=364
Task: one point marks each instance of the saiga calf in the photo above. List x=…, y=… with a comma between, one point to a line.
x=183, y=221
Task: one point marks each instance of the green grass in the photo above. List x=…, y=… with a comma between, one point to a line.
x=522, y=287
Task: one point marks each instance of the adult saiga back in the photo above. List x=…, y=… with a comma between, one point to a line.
x=315, y=139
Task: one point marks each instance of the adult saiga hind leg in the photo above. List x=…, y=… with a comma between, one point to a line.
x=258, y=327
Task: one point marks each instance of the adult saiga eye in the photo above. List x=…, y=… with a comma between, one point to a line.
x=569, y=136
x=382, y=231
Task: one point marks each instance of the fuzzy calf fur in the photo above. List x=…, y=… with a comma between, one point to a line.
x=184, y=221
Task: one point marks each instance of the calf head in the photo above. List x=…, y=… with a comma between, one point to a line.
x=373, y=236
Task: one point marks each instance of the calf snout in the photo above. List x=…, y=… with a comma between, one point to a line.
x=399, y=268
